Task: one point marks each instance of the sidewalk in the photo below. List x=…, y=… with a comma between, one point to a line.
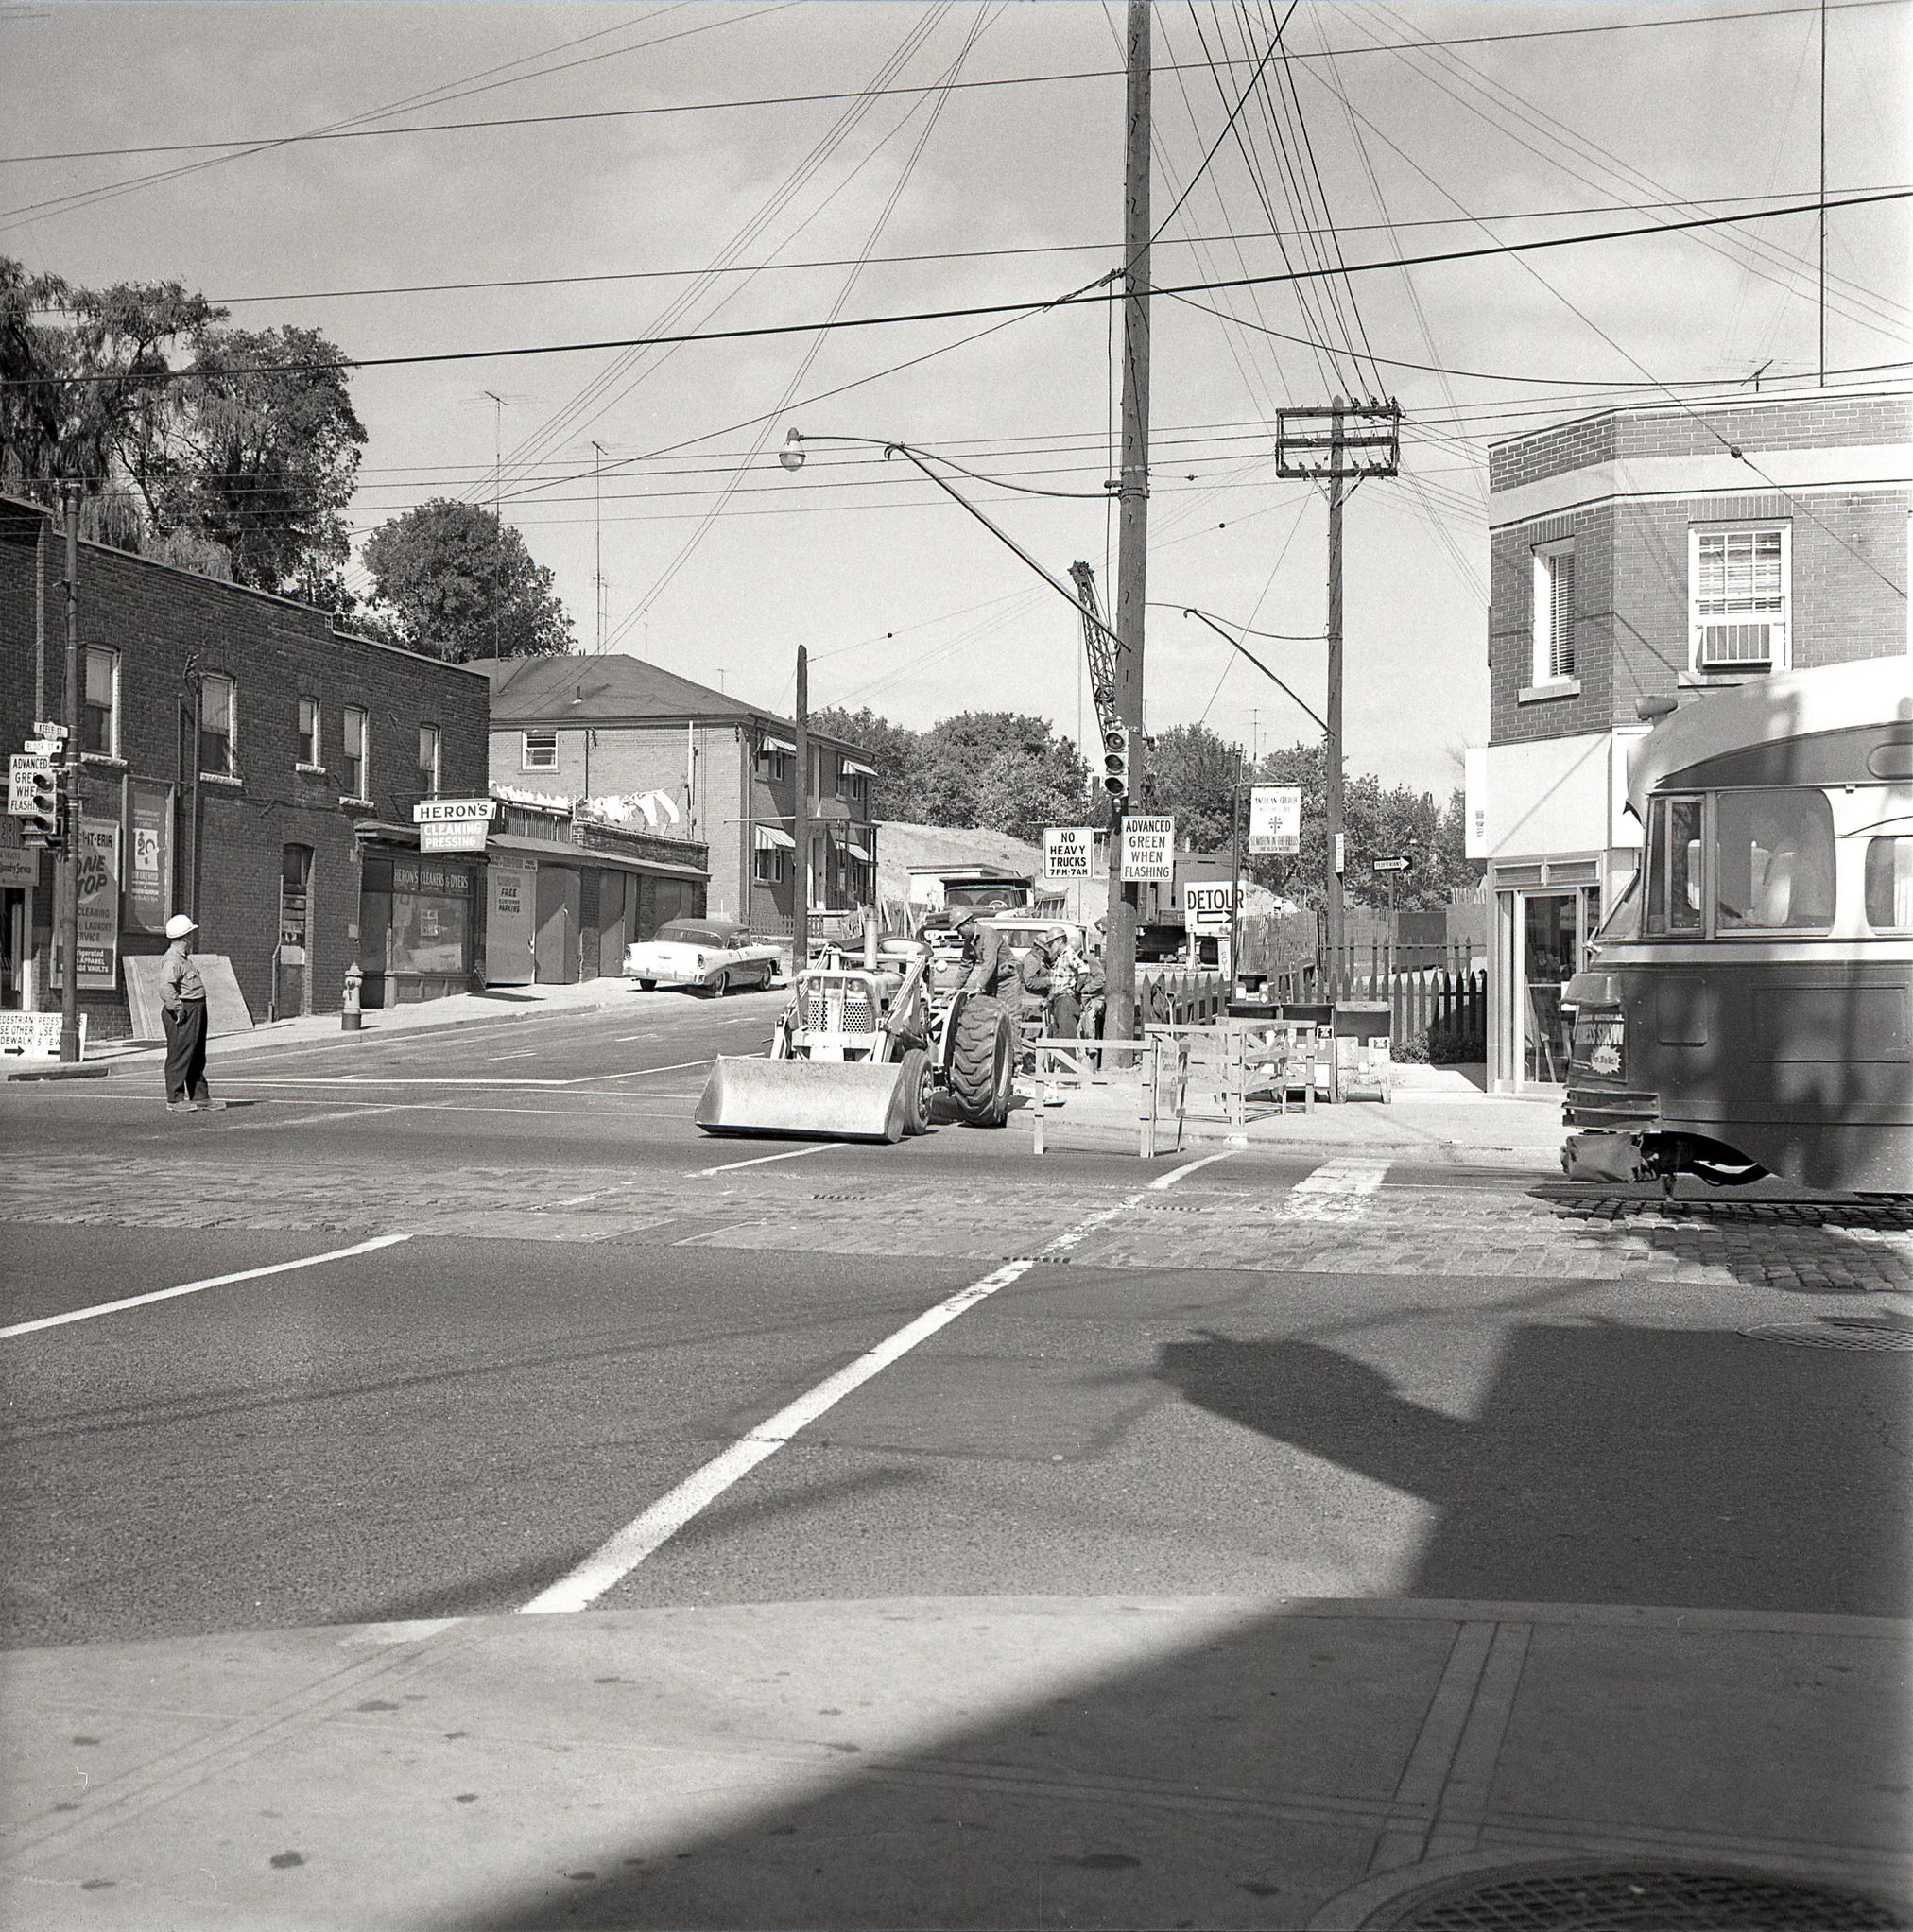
x=455, y=1010
x=981, y=1762
x=1436, y=1113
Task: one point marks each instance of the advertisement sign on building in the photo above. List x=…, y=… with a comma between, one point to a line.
x=1067, y=850
x=1208, y=905
x=100, y=901
x=511, y=884
x=1149, y=849
x=1275, y=818
x=453, y=824
x=150, y=861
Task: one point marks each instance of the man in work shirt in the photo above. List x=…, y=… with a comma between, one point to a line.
x=182, y=997
x=992, y=965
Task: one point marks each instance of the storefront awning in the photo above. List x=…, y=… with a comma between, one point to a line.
x=856, y=850
x=859, y=768
x=553, y=852
x=769, y=838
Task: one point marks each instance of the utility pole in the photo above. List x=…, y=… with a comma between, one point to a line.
x=597, y=517
x=1120, y=955
x=1823, y=194
x=1342, y=443
x=69, y=830
x=799, y=825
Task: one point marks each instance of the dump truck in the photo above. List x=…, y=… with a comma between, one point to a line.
x=875, y=1044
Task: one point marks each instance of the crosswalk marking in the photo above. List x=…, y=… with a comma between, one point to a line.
x=1336, y=1191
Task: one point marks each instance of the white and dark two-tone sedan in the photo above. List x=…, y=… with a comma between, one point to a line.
x=714, y=953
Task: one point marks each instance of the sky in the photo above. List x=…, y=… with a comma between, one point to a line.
x=650, y=169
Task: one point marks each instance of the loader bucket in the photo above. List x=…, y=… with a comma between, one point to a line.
x=816, y=1099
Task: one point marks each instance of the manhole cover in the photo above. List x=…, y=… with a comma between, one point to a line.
x=1624, y=1898
x=1835, y=1335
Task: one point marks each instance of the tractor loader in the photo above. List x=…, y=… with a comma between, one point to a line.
x=870, y=1047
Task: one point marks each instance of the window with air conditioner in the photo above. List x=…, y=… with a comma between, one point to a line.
x=1741, y=589
x=1554, y=613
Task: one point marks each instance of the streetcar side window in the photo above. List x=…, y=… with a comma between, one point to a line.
x=1890, y=884
x=1773, y=861
x=1673, y=863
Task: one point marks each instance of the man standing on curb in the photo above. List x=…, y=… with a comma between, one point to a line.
x=183, y=996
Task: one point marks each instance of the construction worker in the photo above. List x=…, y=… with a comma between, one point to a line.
x=993, y=966
x=1091, y=987
x=1065, y=970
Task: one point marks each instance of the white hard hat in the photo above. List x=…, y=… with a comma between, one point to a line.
x=179, y=926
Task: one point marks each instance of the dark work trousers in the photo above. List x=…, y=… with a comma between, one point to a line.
x=186, y=1051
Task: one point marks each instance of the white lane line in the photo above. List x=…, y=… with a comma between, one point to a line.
x=218, y=1280
x=762, y=1159
x=624, y=1552
x=638, y=1072
x=1175, y=1174
x=1336, y=1191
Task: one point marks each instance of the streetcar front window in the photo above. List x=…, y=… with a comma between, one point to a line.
x=1674, y=865
x=1890, y=884
x=1623, y=920
x=1773, y=861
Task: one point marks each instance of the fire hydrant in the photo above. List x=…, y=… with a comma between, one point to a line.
x=350, y=1014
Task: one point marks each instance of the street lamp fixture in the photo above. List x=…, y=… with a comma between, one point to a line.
x=791, y=456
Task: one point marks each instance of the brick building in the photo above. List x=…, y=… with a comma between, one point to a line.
x=1644, y=553
x=708, y=765
x=245, y=762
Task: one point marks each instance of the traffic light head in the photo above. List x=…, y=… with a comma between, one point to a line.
x=40, y=822
x=1116, y=764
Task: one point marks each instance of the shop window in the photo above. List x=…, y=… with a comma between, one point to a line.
x=431, y=918
x=1740, y=592
x=356, y=766
x=309, y=754
x=539, y=751
x=99, y=702
x=1674, y=867
x=1890, y=884
x=1554, y=613
x=219, y=725
x=1773, y=861
x=428, y=759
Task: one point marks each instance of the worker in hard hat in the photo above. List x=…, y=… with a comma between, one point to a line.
x=992, y=967
x=182, y=1006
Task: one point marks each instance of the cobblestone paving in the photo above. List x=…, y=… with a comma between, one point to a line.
x=1397, y=1230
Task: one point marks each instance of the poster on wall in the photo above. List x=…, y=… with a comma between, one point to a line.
x=149, y=859
x=99, y=908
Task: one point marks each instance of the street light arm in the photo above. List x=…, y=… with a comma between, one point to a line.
x=1235, y=644
x=1089, y=616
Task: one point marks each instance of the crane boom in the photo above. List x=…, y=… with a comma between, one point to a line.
x=1100, y=647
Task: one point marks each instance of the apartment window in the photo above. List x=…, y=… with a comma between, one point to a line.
x=768, y=868
x=99, y=701
x=1740, y=591
x=308, y=733
x=539, y=752
x=219, y=725
x=1554, y=613
x=355, y=768
x=428, y=759
x=773, y=760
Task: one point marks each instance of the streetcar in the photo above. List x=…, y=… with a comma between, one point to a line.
x=1747, y=1005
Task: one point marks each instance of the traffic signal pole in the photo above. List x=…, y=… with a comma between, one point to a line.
x=1119, y=945
x=1331, y=775
x=68, y=871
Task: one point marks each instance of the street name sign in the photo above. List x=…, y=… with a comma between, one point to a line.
x=45, y=748
x=453, y=824
x=1149, y=849
x=1067, y=850
x=1208, y=905
x=1392, y=864
x=1275, y=818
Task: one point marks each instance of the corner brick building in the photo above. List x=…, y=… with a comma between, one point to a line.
x=1648, y=552
x=245, y=762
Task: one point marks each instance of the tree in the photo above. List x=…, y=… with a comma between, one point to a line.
x=239, y=462
x=461, y=584
x=1004, y=770
x=1191, y=772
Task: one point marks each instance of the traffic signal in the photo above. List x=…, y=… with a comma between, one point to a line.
x=1116, y=763
x=40, y=822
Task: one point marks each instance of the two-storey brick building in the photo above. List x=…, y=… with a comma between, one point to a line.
x=242, y=761
x=1642, y=552
x=714, y=769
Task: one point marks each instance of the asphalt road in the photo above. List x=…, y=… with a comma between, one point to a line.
x=456, y=1420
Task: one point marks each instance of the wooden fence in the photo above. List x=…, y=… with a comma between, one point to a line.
x=1452, y=997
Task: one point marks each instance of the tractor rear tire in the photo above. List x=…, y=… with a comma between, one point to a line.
x=982, y=1061
x=916, y=1066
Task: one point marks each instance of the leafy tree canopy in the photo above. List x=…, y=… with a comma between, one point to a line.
x=231, y=451
x=461, y=584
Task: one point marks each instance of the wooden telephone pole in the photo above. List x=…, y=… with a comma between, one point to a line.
x=1119, y=954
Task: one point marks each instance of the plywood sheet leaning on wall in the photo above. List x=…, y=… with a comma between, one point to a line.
x=226, y=1007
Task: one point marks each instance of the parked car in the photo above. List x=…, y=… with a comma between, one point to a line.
x=715, y=953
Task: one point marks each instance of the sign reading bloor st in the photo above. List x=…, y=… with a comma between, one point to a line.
x=453, y=824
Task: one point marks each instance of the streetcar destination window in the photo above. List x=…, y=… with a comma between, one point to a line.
x=1674, y=863
x=1773, y=857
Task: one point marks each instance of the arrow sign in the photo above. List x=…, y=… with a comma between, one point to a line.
x=1392, y=864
